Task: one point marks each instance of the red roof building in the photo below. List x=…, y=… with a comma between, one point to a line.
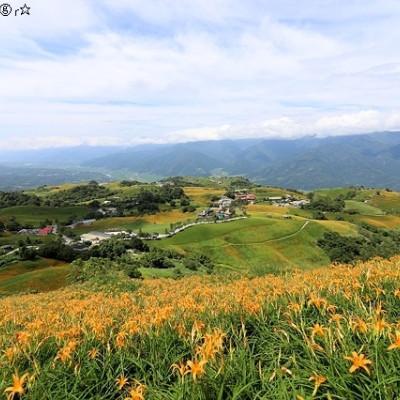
x=45, y=231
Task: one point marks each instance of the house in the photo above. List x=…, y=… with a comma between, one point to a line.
x=111, y=211
x=79, y=247
x=299, y=203
x=223, y=202
x=45, y=231
x=221, y=214
x=247, y=197
x=28, y=232
x=206, y=213
x=95, y=237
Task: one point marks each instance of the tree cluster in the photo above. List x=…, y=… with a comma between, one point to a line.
x=77, y=194
x=326, y=204
x=372, y=242
x=12, y=199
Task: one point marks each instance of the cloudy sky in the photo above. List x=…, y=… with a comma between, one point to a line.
x=123, y=72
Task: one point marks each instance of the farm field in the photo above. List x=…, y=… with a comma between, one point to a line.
x=324, y=333
x=148, y=223
x=42, y=280
x=34, y=215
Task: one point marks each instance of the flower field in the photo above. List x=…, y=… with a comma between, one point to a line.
x=331, y=333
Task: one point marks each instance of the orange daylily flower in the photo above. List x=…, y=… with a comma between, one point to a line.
x=196, y=368
x=396, y=344
x=181, y=368
x=319, y=380
x=317, y=329
x=359, y=361
x=121, y=382
x=18, y=386
x=137, y=393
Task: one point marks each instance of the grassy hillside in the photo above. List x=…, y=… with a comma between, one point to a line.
x=362, y=208
x=43, y=280
x=254, y=244
x=40, y=275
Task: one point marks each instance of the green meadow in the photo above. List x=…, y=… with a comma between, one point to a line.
x=255, y=244
x=362, y=208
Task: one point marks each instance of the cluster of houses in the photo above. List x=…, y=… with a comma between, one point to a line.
x=246, y=197
x=39, y=232
x=286, y=200
x=222, y=206
x=95, y=237
x=220, y=214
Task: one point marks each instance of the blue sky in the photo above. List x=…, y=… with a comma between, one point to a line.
x=125, y=72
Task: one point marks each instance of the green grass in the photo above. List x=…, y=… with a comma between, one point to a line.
x=387, y=201
x=362, y=208
x=254, y=244
x=34, y=215
x=41, y=280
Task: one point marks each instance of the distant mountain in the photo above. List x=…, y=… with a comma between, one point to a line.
x=304, y=163
x=371, y=160
x=20, y=178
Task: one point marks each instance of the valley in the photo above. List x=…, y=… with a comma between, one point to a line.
x=273, y=232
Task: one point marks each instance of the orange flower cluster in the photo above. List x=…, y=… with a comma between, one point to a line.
x=74, y=315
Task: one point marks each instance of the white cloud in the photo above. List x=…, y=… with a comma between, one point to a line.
x=185, y=70
x=285, y=128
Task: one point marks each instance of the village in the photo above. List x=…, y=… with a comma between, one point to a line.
x=224, y=209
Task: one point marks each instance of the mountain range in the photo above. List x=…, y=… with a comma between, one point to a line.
x=370, y=160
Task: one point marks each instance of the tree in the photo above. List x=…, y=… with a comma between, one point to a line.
x=82, y=271
x=26, y=253
x=58, y=250
x=319, y=215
